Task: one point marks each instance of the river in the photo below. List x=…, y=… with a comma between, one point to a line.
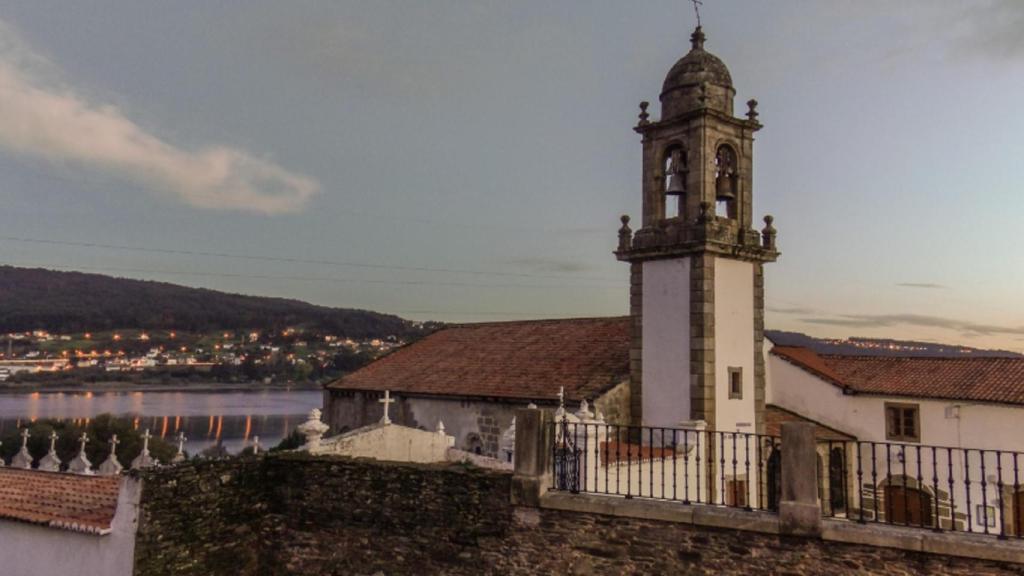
x=207, y=417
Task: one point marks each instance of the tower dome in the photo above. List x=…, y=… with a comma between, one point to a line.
x=698, y=80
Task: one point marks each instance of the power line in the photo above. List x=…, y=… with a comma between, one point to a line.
x=251, y=257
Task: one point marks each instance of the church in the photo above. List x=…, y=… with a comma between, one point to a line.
x=692, y=352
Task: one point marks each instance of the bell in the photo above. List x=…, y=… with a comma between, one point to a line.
x=675, y=185
x=725, y=188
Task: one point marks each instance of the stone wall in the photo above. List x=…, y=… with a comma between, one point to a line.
x=201, y=517
x=295, y=514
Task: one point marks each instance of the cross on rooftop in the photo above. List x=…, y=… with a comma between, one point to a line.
x=696, y=9
x=24, y=437
x=53, y=439
x=83, y=440
x=113, y=443
x=387, y=400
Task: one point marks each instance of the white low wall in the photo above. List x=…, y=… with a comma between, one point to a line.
x=32, y=550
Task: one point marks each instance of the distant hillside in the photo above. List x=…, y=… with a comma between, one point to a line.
x=66, y=302
x=881, y=346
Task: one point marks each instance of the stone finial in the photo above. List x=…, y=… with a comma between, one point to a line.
x=51, y=462
x=697, y=39
x=560, y=412
x=440, y=427
x=768, y=233
x=584, y=412
x=23, y=459
x=752, y=110
x=625, y=234
x=255, y=445
x=313, y=429
x=180, y=456
x=80, y=464
x=643, y=113
x=531, y=406
x=144, y=459
x=111, y=466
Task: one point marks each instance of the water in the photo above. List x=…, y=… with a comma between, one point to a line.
x=231, y=418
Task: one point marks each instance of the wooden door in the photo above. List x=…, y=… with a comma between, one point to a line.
x=907, y=506
x=1018, y=512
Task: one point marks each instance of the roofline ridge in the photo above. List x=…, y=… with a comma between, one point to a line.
x=534, y=321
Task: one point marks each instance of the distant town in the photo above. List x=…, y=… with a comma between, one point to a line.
x=291, y=355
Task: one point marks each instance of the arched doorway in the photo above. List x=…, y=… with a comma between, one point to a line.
x=908, y=506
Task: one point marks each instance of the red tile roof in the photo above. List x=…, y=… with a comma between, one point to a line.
x=67, y=501
x=978, y=379
x=774, y=416
x=527, y=360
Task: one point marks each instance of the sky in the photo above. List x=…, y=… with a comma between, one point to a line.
x=469, y=161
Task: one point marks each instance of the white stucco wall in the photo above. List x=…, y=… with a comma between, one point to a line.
x=32, y=550
x=980, y=425
x=734, y=343
x=666, y=342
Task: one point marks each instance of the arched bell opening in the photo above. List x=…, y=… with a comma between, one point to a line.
x=674, y=173
x=726, y=182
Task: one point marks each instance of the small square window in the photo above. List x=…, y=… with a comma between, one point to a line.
x=902, y=422
x=735, y=383
x=985, y=515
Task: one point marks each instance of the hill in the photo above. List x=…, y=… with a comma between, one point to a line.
x=66, y=302
x=881, y=346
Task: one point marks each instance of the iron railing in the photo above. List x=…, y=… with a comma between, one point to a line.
x=735, y=469
x=914, y=485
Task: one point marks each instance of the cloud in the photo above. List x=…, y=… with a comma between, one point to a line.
x=889, y=320
x=925, y=285
x=44, y=118
x=994, y=29
x=795, y=310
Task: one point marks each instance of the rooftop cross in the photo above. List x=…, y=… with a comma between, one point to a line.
x=83, y=440
x=696, y=9
x=387, y=400
x=24, y=437
x=53, y=440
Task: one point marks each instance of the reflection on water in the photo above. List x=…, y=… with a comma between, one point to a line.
x=231, y=418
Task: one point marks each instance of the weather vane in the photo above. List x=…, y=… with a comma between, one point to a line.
x=696, y=9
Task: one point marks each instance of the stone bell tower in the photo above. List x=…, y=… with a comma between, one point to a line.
x=696, y=264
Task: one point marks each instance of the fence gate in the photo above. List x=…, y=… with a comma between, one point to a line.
x=567, y=461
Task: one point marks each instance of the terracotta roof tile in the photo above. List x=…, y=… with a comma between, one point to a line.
x=978, y=379
x=523, y=360
x=67, y=501
x=774, y=416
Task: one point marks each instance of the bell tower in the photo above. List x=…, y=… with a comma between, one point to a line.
x=696, y=263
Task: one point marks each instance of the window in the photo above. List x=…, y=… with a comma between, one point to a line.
x=902, y=422
x=985, y=515
x=735, y=383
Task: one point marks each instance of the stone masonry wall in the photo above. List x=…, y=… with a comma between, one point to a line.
x=295, y=514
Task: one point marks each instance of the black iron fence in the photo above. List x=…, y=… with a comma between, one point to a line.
x=735, y=469
x=932, y=487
